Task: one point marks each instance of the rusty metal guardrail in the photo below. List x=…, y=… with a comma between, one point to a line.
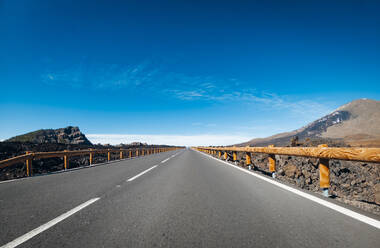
x=123, y=153
x=323, y=152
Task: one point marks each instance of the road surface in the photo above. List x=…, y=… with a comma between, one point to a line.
x=174, y=199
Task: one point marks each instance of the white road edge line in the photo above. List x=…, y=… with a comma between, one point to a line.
x=12, y=180
x=342, y=210
x=47, y=225
x=142, y=173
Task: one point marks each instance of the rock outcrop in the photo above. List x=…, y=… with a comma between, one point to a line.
x=67, y=135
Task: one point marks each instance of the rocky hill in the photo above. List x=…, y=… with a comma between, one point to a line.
x=356, y=124
x=67, y=135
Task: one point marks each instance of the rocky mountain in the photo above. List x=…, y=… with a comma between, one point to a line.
x=356, y=124
x=67, y=135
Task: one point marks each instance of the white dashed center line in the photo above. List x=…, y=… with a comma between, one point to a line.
x=142, y=173
x=163, y=161
x=47, y=225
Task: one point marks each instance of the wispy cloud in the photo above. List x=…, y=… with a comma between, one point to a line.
x=147, y=75
x=200, y=124
x=187, y=140
x=310, y=108
x=111, y=76
x=156, y=78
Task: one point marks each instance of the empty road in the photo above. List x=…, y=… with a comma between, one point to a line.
x=174, y=199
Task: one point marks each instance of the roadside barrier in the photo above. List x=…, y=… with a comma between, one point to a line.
x=323, y=152
x=28, y=157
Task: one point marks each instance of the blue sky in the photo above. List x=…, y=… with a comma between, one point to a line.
x=183, y=72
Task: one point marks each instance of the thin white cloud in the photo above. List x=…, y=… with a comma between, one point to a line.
x=306, y=108
x=179, y=140
x=109, y=76
x=200, y=124
x=153, y=77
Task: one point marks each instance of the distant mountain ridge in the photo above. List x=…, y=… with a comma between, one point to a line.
x=67, y=135
x=356, y=123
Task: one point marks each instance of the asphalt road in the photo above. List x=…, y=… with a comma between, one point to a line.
x=173, y=199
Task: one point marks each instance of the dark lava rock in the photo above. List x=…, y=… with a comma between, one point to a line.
x=67, y=135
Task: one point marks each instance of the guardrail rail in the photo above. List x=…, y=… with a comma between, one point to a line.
x=323, y=152
x=28, y=157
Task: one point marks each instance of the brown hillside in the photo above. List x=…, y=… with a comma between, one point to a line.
x=356, y=124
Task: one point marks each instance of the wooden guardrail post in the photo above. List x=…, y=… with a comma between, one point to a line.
x=137, y=152
x=220, y=154
x=234, y=156
x=121, y=153
x=225, y=155
x=324, y=174
x=130, y=154
x=29, y=166
x=109, y=155
x=272, y=163
x=248, y=160
x=91, y=156
x=65, y=160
